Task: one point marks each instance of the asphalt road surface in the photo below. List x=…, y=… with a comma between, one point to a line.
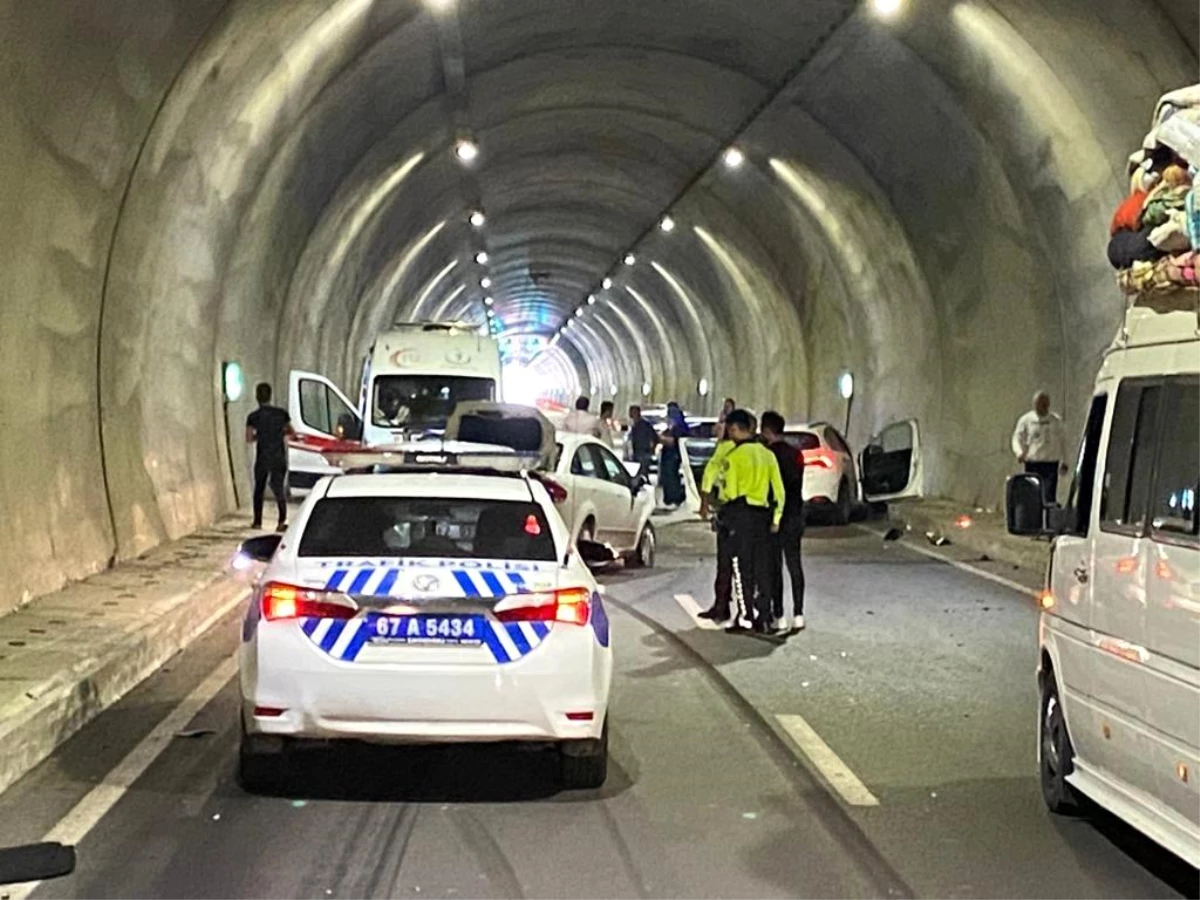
x=887, y=751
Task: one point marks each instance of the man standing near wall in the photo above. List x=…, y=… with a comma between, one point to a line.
x=1040, y=443
x=268, y=428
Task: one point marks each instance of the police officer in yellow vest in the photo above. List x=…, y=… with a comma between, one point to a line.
x=751, y=481
x=710, y=505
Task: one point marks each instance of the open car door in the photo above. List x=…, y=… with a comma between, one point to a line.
x=890, y=466
x=321, y=414
x=524, y=429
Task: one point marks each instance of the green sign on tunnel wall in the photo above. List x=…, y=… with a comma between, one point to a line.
x=234, y=381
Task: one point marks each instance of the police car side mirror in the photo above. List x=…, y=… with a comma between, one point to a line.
x=36, y=862
x=260, y=548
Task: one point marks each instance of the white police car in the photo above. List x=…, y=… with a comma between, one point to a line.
x=425, y=607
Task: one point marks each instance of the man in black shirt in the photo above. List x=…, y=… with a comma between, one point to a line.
x=642, y=438
x=268, y=427
x=791, y=528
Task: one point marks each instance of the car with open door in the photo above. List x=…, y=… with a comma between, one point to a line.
x=598, y=497
x=831, y=487
x=324, y=420
x=890, y=465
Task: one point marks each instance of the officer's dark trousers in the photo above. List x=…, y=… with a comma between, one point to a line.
x=750, y=545
x=275, y=473
x=786, y=555
x=723, y=584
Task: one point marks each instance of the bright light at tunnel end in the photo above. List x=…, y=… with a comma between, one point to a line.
x=886, y=8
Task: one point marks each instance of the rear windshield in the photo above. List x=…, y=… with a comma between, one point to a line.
x=803, y=440
x=427, y=526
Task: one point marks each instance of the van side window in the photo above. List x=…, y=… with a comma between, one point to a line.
x=1079, y=503
x=1132, y=444
x=1173, y=510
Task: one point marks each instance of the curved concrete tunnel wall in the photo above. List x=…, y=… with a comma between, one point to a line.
x=924, y=203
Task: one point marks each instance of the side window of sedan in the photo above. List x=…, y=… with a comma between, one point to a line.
x=583, y=464
x=613, y=470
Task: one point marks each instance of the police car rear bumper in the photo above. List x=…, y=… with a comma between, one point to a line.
x=309, y=696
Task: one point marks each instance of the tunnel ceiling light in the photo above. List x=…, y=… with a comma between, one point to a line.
x=478, y=218
x=645, y=389
x=733, y=158
x=578, y=312
x=613, y=390
x=630, y=259
x=488, y=301
x=846, y=385
x=591, y=299
x=485, y=282
x=702, y=387
x=886, y=8
x=667, y=224
x=607, y=284
x=440, y=5
x=466, y=150
x=481, y=257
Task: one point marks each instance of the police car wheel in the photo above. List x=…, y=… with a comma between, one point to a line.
x=258, y=772
x=585, y=763
x=643, y=554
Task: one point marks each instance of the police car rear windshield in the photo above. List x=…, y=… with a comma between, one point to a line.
x=428, y=527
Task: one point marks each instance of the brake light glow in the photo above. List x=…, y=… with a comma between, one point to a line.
x=286, y=601
x=588, y=716
x=570, y=605
x=821, y=458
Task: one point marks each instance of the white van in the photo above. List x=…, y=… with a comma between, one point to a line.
x=1119, y=668
x=415, y=374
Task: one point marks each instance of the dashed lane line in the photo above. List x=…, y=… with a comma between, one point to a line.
x=84, y=816
x=692, y=608
x=829, y=764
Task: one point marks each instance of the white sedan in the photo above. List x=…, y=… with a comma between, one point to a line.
x=425, y=608
x=603, y=501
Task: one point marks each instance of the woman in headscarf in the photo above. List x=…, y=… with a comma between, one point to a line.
x=674, y=493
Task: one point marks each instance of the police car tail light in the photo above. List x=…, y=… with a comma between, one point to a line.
x=570, y=605
x=286, y=601
x=822, y=459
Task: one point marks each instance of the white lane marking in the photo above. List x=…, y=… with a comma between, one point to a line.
x=828, y=763
x=966, y=567
x=83, y=817
x=692, y=608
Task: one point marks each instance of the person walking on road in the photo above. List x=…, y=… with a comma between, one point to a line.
x=671, y=462
x=581, y=421
x=642, y=441
x=268, y=428
x=786, y=550
x=1040, y=443
x=752, y=479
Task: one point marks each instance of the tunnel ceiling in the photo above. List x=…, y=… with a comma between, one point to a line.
x=923, y=201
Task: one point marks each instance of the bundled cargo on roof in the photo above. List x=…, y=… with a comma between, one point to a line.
x=1155, y=232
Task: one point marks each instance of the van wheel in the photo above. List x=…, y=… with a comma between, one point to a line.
x=585, y=763
x=1057, y=754
x=842, y=509
x=643, y=555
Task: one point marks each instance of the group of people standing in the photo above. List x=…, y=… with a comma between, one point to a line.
x=752, y=490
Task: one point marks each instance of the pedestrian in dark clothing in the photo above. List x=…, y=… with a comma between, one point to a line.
x=786, y=541
x=268, y=428
x=642, y=441
x=670, y=468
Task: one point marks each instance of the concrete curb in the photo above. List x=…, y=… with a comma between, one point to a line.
x=32, y=728
x=981, y=538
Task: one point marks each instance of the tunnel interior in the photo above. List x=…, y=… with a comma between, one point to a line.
x=745, y=198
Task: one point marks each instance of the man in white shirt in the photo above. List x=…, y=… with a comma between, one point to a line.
x=1040, y=442
x=580, y=421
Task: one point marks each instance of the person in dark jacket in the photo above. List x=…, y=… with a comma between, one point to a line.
x=642, y=441
x=670, y=464
x=268, y=428
x=787, y=540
